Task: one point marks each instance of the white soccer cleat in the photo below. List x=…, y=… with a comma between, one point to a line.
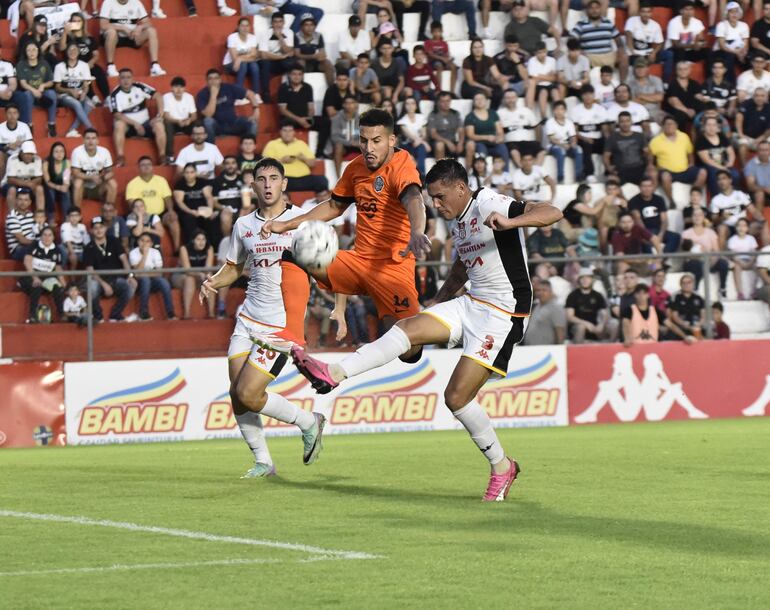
x=156, y=70
x=112, y=71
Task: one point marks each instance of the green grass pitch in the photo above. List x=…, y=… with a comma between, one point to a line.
x=669, y=515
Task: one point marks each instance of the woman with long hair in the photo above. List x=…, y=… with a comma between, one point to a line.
x=242, y=56
x=56, y=177
x=75, y=32
x=36, y=83
x=483, y=131
x=480, y=75
x=72, y=78
x=412, y=129
x=195, y=254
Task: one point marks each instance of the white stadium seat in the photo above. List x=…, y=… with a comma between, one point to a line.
x=317, y=80
x=455, y=27
x=497, y=22
x=747, y=317
x=411, y=26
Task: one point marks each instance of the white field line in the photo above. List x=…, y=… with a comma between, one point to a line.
x=135, y=527
x=141, y=566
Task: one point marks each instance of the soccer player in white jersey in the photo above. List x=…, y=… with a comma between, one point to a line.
x=276, y=299
x=489, y=235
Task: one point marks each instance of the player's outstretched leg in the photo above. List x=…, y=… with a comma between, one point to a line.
x=415, y=331
x=460, y=396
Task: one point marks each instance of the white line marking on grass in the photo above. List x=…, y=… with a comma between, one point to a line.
x=142, y=566
x=135, y=527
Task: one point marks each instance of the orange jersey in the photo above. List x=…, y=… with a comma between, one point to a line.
x=382, y=224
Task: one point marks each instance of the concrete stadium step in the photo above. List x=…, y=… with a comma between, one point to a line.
x=14, y=306
x=140, y=339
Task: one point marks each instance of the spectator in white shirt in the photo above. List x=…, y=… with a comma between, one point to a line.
x=745, y=245
x=530, y=181
x=732, y=38
x=542, y=85
x=205, y=156
x=352, y=43
x=729, y=206
x=521, y=128
x=74, y=306
x=25, y=170
x=644, y=36
x=124, y=23
x=144, y=256
x=179, y=113
x=72, y=79
x=93, y=176
x=412, y=127
x=562, y=141
x=751, y=80
x=12, y=134
x=74, y=236
x=685, y=39
x=242, y=56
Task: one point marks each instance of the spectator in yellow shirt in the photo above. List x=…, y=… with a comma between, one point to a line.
x=156, y=194
x=674, y=158
x=298, y=161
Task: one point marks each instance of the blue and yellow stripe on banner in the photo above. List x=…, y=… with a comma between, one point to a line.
x=528, y=376
x=152, y=392
x=402, y=382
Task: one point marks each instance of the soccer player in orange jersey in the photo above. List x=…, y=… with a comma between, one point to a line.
x=385, y=185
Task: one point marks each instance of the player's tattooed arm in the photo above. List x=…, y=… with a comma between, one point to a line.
x=454, y=281
x=534, y=215
x=419, y=243
x=324, y=211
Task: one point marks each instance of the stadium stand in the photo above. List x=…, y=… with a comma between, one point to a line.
x=189, y=47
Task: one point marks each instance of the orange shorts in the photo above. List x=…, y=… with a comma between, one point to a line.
x=390, y=284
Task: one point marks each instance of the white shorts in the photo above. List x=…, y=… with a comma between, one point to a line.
x=269, y=361
x=488, y=334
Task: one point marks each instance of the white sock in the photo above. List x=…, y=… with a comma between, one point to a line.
x=479, y=426
x=155, y=5
x=250, y=424
x=367, y=357
x=286, y=411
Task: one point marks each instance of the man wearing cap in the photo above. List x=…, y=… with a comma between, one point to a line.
x=353, y=42
x=285, y=7
x=92, y=172
x=732, y=38
x=25, y=170
x=586, y=311
x=309, y=49
x=527, y=30
x=295, y=99
x=105, y=253
x=646, y=89
x=37, y=33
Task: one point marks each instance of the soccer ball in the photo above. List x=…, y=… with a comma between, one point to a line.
x=314, y=245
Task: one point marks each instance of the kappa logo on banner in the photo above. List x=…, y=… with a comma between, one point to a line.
x=393, y=399
x=138, y=409
x=759, y=406
x=516, y=396
x=652, y=395
x=219, y=415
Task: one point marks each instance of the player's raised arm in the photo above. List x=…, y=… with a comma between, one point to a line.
x=227, y=275
x=533, y=215
x=324, y=211
x=419, y=243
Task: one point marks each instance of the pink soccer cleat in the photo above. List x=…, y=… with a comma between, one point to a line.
x=500, y=484
x=316, y=372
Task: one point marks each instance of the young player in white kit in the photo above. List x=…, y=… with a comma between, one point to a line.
x=276, y=299
x=489, y=236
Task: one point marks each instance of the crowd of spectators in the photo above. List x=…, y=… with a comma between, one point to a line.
x=556, y=103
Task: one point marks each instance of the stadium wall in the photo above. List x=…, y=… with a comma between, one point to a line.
x=162, y=400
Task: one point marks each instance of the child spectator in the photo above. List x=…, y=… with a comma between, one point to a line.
x=590, y=119
x=605, y=87
x=530, y=181
x=562, y=141
x=421, y=81
x=43, y=256
x=179, y=113
x=39, y=224
x=500, y=180
x=573, y=69
x=745, y=245
x=478, y=174
x=74, y=307
x=696, y=201
x=721, y=329
x=140, y=222
x=659, y=296
x=437, y=51
x=542, y=86
x=364, y=82
x=74, y=237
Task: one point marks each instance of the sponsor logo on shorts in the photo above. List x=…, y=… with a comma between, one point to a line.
x=379, y=184
x=483, y=354
x=489, y=342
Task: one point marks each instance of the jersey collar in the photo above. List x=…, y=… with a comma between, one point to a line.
x=470, y=202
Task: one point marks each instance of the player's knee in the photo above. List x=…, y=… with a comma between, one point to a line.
x=249, y=398
x=413, y=356
x=455, y=399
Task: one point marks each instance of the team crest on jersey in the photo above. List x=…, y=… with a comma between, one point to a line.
x=379, y=184
x=461, y=230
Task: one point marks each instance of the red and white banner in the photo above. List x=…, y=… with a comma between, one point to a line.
x=187, y=399
x=32, y=411
x=666, y=381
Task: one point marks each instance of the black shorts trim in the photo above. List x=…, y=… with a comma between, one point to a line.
x=514, y=337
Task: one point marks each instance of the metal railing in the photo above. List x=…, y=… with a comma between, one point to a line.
x=705, y=261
